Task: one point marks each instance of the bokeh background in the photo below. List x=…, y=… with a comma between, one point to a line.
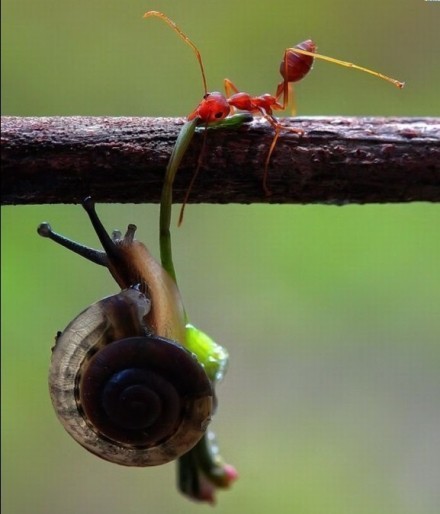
x=331, y=315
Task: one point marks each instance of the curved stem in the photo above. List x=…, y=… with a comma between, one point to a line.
x=166, y=201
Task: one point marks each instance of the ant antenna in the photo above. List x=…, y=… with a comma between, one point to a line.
x=185, y=38
x=397, y=83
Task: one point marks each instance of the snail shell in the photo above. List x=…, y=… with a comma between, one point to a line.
x=121, y=381
x=137, y=400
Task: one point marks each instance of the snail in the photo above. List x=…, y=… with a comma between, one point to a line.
x=121, y=381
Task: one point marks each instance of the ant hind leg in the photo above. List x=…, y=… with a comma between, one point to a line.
x=278, y=128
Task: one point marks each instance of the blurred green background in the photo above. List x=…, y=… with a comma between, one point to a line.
x=331, y=315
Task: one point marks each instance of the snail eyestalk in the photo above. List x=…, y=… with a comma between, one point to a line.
x=96, y=256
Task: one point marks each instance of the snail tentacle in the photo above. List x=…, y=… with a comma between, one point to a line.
x=96, y=256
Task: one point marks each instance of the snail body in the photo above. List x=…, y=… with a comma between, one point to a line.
x=121, y=381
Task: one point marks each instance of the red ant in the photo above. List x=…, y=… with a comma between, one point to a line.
x=214, y=107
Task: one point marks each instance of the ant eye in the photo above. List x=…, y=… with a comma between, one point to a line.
x=218, y=114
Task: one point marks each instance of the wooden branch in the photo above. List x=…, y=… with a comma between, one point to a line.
x=337, y=161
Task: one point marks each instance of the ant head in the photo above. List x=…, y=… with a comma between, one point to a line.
x=213, y=107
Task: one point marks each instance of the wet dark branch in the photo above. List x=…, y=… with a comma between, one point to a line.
x=337, y=160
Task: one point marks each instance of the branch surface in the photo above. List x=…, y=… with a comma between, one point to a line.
x=338, y=160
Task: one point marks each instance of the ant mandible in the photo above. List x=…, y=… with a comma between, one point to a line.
x=296, y=64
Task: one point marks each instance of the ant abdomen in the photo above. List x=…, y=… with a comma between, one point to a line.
x=295, y=66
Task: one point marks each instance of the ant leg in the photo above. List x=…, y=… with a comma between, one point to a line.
x=278, y=127
x=266, y=190
x=283, y=87
x=230, y=87
x=193, y=178
x=288, y=98
x=280, y=90
x=292, y=100
x=346, y=64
